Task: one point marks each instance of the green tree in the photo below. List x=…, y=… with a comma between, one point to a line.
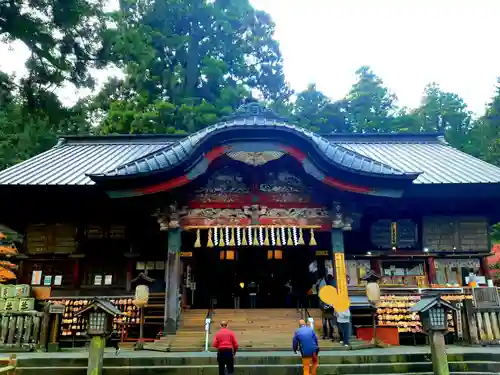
x=445, y=112
x=314, y=110
x=370, y=104
x=64, y=36
x=189, y=63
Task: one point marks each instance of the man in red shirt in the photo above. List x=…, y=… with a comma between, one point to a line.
x=226, y=345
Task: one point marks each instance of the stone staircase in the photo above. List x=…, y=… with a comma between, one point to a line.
x=260, y=329
x=255, y=329
x=189, y=338
x=327, y=344
x=392, y=361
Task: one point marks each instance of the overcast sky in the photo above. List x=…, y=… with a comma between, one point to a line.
x=409, y=43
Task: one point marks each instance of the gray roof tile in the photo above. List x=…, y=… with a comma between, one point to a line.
x=179, y=151
x=70, y=162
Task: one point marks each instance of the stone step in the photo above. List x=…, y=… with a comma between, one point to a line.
x=417, y=368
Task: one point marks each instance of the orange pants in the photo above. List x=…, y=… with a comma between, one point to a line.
x=310, y=364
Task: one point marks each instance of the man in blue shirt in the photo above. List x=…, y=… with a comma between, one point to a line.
x=306, y=341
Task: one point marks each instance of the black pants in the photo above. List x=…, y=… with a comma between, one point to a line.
x=253, y=301
x=328, y=328
x=225, y=359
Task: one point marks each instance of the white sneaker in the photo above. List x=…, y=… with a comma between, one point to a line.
x=346, y=345
x=341, y=342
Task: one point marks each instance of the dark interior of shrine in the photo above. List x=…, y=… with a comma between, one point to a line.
x=222, y=273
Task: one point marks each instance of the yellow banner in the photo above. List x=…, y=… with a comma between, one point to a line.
x=341, y=274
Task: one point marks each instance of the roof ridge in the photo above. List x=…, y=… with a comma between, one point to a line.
x=185, y=146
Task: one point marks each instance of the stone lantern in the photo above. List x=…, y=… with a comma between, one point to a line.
x=433, y=311
x=99, y=315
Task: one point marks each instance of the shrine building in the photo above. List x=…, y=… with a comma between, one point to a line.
x=250, y=199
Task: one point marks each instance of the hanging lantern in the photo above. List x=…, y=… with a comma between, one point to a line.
x=197, y=243
x=373, y=292
x=141, y=295
x=312, y=240
x=210, y=243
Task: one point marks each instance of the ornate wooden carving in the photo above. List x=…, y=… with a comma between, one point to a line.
x=257, y=215
x=228, y=189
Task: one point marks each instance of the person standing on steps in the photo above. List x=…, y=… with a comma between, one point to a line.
x=253, y=290
x=226, y=344
x=344, y=324
x=306, y=342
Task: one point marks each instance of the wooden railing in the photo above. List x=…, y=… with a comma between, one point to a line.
x=20, y=330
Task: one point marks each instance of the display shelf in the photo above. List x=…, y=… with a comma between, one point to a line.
x=72, y=325
x=393, y=311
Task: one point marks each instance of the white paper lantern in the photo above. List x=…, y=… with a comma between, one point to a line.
x=141, y=295
x=373, y=292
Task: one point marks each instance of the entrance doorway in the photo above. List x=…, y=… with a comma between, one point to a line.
x=219, y=278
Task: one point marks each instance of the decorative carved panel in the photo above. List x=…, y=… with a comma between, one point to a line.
x=445, y=233
x=56, y=238
x=256, y=215
x=282, y=182
x=223, y=181
x=255, y=158
x=401, y=234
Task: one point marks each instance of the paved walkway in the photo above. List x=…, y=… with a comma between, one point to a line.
x=110, y=353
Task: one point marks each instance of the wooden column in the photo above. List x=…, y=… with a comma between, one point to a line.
x=76, y=274
x=375, y=266
x=431, y=266
x=173, y=282
x=129, y=276
x=485, y=269
x=339, y=260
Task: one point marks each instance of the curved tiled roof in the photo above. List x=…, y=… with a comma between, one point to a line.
x=178, y=152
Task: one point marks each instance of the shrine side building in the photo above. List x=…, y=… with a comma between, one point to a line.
x=250, y=199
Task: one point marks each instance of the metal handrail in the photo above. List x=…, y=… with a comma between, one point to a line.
x=208, y=323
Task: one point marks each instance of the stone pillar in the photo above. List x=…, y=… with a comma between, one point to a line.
x=173, y=282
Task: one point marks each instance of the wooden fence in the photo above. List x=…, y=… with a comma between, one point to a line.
x=481, y=317
x=20, y=330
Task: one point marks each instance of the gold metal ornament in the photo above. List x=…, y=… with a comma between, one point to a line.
x=197, y=243
x=210, y=242
x=312, y=241
x=232, y=241
x=244, y=241
x=222, y=243
x=301, y=237
x=255, y=239
x=266, y=240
